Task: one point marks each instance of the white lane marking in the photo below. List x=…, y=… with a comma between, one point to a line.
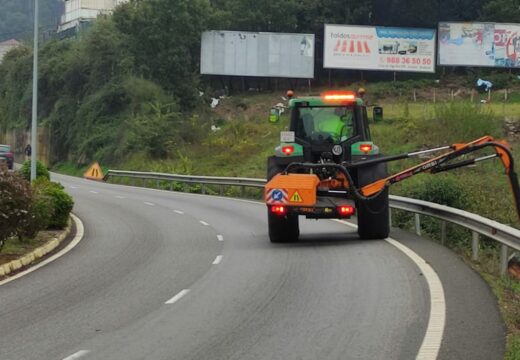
x=77, y=355
x=120, y=197
x=94, y=192
x=178, y=296
x=149, y=203
x=79, y=236
x=74, y=187
x=179, y=212
x=435, y=331
x=204, y=223
x=220, y=238
x=217, y=260
x=432, y=339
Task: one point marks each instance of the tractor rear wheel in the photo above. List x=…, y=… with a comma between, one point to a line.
x=282, y=228
x=373, y=217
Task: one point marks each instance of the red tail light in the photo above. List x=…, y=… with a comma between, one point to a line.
x=288, y=150
x=346, y=210
x=279, y=209
x=366, y=148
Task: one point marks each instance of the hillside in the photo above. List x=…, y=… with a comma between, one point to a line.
x=16, y=17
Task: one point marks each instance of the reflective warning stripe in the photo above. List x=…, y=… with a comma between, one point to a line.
x=276, y=196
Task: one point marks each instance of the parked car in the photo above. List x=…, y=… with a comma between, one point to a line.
x=6, y=155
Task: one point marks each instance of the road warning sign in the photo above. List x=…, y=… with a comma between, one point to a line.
x=94, y=172
x=296, y=197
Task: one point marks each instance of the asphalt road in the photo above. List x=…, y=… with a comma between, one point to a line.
x=163, y=275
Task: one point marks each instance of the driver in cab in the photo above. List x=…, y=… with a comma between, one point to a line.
x=337, y=123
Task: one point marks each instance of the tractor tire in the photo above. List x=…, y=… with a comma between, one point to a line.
x=373, y=215
x=283, y=228
x=273, y=167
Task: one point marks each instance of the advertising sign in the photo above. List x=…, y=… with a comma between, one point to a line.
x=257, y=54
x=379, y=48
x=479, y=44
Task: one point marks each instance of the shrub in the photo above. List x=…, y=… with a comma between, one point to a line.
x=15, y=205
x=62, y=203
x=42, y=210
x=41, y=170
x=443, y=189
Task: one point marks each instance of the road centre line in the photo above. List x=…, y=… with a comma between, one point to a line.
x=77, y=355
x=204, y=223
x=178, y=296
x=178, y=212
x=120, y=197
x=149, y=203
x=432, y=340
x=94, y=192
x=220, y=238
x=217, y=260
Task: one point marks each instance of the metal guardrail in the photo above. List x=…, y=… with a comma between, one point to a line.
x=507, y=236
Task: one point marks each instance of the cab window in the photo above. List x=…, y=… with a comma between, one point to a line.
x=325, y=124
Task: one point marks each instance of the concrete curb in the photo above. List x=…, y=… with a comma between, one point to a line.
x=39, y=252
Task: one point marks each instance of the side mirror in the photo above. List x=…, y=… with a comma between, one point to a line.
x=377, y=113
x=274, y=115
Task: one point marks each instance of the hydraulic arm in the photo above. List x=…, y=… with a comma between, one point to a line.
x=447, y=161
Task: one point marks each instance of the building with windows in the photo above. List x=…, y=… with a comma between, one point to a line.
x=78, y=12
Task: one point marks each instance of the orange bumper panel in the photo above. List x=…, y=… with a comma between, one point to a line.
x=292, y=189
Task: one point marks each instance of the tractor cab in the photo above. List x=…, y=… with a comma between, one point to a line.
x=328, y=125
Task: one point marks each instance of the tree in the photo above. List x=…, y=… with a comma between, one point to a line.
x=501, y=11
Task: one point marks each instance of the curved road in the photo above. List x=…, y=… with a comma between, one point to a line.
x=162, y=275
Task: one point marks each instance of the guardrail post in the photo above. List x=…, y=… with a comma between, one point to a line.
x=503, y=259
x=171, y=185
x=418, y=224
x=242, y=191
x=443, y=232
x=221, y=190
x=390, y=216
x=185, y=187
x=202, y=189
x=474, y=246
x=158, y=183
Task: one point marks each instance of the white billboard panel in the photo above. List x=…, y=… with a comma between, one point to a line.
x=479, y=44
x=257, y=54
x=379, y=48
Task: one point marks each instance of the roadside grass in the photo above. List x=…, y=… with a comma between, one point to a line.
x=14, y=248
x=507, y=291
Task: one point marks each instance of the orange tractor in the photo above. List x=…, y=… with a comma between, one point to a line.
x=328, y=167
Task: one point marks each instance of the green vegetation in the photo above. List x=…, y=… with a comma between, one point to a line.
x=128, y=87
x=41, y=170
x=54, y=203
x=26, y=209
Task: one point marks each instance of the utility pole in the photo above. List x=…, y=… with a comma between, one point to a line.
x=34, y=126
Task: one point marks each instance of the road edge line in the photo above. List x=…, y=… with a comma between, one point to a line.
x=80, y=231
x=432, y=340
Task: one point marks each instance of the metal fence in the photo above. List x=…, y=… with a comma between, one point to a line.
x=507, y=236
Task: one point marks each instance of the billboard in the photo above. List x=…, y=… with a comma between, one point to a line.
x=479, y=44
x=257, y=54
x=379, y=48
